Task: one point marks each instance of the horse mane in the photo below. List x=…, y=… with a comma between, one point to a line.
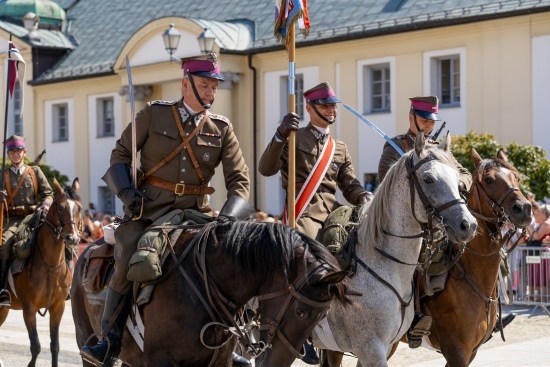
x=264, y=248
x=376, y=213
x=487, y=164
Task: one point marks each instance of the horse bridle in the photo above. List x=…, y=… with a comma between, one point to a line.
x=292, y=292
x=57, y=229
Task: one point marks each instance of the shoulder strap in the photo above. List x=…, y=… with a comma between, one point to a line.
x=32, y=172
x=19, y=184
x=185, y=141
x=405, y=143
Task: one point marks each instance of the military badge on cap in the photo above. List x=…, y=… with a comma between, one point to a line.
x=205, y=66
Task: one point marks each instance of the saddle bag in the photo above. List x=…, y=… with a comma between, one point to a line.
x=98, y=265
x=23, y=239
x=336, y=231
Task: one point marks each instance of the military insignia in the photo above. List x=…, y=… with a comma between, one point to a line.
x=184, y=114
x=334, y=166
x=315, y=133
x=164, y=103
x=206, y=156
x=198, y=118
x=215, y=116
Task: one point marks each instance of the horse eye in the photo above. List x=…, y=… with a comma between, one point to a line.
x=428, y=180
x=488, y=180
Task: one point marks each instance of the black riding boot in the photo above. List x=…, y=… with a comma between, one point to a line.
x=505, y=321
x=419, y=328
x=5, y=298
x=310, y=357
x=102, y=351
x=240, y=361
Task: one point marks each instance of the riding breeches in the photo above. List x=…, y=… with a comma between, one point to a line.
x=311, y=227
x=127, y=236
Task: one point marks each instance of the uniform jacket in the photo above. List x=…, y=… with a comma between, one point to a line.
x=26, y=195
x=390, y=156
x=308, y=148
x=157, y=135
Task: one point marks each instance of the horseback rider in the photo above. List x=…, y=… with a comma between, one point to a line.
x=423, y=115
x=26, y=190
x=181, y=143
x=311, y=141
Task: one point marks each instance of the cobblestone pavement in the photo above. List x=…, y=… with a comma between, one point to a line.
x=526, y=345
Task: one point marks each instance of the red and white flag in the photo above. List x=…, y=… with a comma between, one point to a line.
x=17, y=72
x=287, y=12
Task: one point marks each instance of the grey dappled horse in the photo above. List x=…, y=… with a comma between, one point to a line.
x=387, y=235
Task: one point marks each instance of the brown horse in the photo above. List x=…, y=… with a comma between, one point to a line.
x=464, y=312
x=226, y=265
x=46, y=278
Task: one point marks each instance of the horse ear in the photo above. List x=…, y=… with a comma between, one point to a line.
x=76, y=185
x=58, y=187
x=332, y=278
x=445, y=144
x=419, y=143
x=475, y=157
x=502, y=155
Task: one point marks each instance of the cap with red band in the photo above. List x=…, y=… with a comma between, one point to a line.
x=321, y=94
x=15, y=142
x=426, y=107
x=205, y=66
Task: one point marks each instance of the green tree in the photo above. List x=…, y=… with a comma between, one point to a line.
x=530, y=160
x=49, y=172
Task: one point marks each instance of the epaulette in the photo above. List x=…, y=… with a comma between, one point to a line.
x=164, y=103
x=215, y=116
x=399, y=137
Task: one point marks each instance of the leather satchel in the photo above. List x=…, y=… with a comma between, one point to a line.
x=98, y=266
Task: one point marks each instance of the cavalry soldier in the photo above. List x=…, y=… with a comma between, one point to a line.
x=27, y=190
x=423, y=114
x=181, y=144
x=314, y=145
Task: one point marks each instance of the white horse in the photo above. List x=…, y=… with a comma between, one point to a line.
x=423, y=181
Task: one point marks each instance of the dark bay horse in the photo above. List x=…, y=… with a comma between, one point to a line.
x=46, y=278
x=228, y=262
x=464, y=313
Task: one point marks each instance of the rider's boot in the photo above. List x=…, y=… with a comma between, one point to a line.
x=5, y=298
x=240, y=361
x=419, y=328
x=105, y=351
x=310, y=357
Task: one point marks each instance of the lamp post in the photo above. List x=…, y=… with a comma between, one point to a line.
x=206, y=41
x=171, y=38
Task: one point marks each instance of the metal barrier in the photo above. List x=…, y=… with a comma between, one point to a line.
x=530, y=276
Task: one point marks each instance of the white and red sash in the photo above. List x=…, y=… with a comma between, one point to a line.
x=313, y=181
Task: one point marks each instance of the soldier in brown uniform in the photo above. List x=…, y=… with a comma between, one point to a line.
x=321, y=107
x=181, y=143
x=27, y=190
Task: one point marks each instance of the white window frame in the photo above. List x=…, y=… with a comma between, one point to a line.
x=103, y=123
x=299, y=90
x=432, y=69
x=368, y=86
x=60, y=133
x=106, y=196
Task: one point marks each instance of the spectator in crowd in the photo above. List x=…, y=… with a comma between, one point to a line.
x=537, y=231
x=260, y=216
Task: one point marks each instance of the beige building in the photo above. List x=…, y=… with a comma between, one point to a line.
x=488, y=61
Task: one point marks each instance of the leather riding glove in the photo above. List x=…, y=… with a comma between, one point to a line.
x=290, y=122
x=44, y=207
x=132, y=199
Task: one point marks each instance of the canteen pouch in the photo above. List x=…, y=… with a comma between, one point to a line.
x=145, y=262
x=22, y=239
x=99, y=263
x=336, y=231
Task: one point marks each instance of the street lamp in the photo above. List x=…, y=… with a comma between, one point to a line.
x=206, y=41
x=171, y=38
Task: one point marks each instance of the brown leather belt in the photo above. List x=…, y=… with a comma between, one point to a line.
x=180, y=189
x=19, y=211
x=321, y=188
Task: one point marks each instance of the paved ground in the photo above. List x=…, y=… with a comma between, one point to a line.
x=526, y=345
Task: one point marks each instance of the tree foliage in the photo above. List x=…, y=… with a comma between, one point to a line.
x=49, y=172
x=530, y=160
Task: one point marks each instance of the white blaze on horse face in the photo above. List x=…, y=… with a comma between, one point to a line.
x=73, y=208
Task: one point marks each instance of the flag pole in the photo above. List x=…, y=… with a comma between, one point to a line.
x=292, y=138
x=2, y=182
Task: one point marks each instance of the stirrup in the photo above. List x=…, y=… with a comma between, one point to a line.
x=94, y=361
x=7, y=298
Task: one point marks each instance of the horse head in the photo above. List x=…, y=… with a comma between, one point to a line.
x=432, y=170
x=64, y=215
x=495, y=194
x=289, y=314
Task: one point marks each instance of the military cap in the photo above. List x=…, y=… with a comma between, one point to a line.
x=426, y=107
x=321, y=94
x=205, y=66
x=15, y=142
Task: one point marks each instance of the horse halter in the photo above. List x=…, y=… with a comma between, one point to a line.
x=292, y=292
x=57, y=229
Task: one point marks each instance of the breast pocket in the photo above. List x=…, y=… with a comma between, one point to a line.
x=338, y=161
x=306, y=155
x=165, y=136
x=208, y=148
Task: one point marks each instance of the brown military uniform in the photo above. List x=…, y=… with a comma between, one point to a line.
x=406, y=143
x=158, y=135
x=25, y=199
x=339, y=174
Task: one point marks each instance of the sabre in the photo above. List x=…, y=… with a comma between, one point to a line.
x=436, y=135
x=133, y=122
x=387, y=138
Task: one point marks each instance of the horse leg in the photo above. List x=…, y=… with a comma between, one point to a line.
x=332, y=358
x=3, y=314
x=393, y=349
x=55, y=320
x=30, y=322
